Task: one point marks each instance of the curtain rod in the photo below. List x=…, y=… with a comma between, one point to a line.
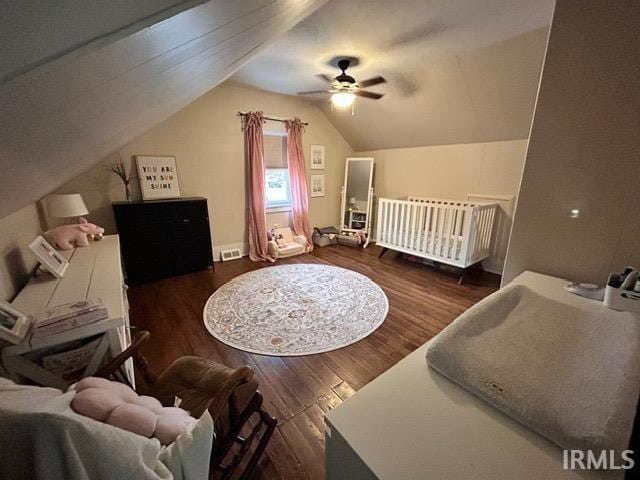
x=244, y=114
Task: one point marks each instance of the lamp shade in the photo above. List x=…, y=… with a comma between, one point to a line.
x=62, y=206
x=342, y=99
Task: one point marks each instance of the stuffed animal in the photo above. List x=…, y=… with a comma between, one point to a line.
x=275, y=236
x=66, y=237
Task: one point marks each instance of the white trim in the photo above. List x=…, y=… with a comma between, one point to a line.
x=490, y=196
x=283, y=208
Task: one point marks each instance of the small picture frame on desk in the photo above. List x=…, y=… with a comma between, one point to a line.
x=14, y=325
x=49, y=257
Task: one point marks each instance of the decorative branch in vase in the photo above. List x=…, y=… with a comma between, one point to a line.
x=119, y=169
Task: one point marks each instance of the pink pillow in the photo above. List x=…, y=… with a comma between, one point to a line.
x=134, y=418
x=91, y=382
x=123, y=391
x=173, y=411
x=95, y=403
x=120, y=406
x=149, y=403
x=170, y=426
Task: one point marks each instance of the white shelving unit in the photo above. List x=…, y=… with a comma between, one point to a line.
x=93, y=272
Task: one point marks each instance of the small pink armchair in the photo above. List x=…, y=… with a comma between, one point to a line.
x=289, y=245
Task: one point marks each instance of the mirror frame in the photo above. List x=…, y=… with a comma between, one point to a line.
x=343, y=204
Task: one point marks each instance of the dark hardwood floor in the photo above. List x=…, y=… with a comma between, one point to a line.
x=299, y=390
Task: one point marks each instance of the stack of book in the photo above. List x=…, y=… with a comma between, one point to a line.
x=68, y=316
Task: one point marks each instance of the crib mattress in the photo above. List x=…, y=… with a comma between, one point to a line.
x=415, y=241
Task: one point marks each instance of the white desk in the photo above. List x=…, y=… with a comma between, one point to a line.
x=93, y=272
x=411, y=423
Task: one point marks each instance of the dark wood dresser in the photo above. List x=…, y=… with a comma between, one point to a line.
x=163, y=238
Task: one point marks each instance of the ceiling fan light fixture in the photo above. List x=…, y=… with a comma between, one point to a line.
x=342, y=99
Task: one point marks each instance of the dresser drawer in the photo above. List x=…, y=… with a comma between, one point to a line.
x=190, y=227
x=193, y=254
x=164, y=238
x=134, y=214
x=186, y=210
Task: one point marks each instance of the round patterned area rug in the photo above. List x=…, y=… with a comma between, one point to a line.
x=295, y=309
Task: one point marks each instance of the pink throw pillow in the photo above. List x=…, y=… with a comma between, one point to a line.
x=133, y=418
x=95, y=403
x=92, y=382
x=170, y=426
x=120, y=406
x=149, y=402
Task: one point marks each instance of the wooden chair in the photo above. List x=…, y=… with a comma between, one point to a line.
x=231, y=396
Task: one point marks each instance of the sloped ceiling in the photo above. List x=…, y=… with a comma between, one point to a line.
x=458, y=71
x=33, y=32
x=60, y=117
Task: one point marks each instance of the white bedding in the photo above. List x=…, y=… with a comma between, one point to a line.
x=43, y=439
x=415, y=241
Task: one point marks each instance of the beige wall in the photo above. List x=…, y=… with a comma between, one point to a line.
x=16, y=261
x=584, y=149
x=454, y=171
x=206, y=139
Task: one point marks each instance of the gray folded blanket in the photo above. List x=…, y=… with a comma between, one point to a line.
x=561, y=371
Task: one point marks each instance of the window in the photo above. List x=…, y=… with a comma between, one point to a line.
x=277, y=191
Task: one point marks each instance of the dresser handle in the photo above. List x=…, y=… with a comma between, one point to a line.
x=186, y=219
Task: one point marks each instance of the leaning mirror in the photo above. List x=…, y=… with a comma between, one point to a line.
x=357, y=195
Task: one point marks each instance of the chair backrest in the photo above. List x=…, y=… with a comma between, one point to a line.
x=200, y=383
x=114, y=368
x=287, y=234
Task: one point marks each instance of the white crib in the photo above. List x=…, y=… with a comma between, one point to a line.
x=454, y=232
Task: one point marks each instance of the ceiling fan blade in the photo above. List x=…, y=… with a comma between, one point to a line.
x=374, y=96
x=324, y=77
x=311, y=92
x=371, y=82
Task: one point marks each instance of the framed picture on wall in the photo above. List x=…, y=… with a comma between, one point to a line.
x=317, y=157
x=317, y=185
x=158, y=177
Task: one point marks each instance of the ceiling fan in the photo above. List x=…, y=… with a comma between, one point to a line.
x=344, y=88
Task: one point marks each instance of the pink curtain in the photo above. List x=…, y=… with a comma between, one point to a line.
x=254, y=150
x=298, y=180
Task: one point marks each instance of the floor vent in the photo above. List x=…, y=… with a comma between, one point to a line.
x=231, y=254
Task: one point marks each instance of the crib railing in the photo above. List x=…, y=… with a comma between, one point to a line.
x=449, y=231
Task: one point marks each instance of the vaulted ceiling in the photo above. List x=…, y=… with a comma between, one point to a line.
x=81, y=78
x=458, y=71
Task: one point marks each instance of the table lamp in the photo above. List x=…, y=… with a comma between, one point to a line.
x=66, y=206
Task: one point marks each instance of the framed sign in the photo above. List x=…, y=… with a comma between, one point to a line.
x=158, y=177
x=317, y=157
x=317, y=185
x=14, y=325
x=49, y=257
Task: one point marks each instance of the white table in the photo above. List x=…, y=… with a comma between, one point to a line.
x=413, y=423
x=93, y=272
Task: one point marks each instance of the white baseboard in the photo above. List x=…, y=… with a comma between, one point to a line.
x=244, y=250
